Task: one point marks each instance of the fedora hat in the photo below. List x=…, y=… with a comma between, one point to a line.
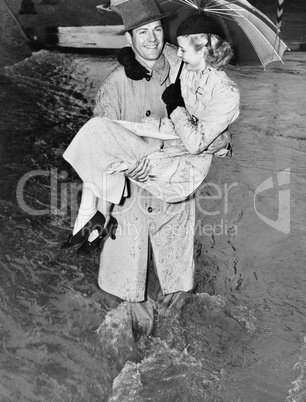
x=136, y=13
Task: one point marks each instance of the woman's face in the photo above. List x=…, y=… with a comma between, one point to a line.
x=194, y=60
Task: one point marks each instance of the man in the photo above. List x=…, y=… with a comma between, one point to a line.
x=133, y=91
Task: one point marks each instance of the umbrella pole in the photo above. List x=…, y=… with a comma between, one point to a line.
x=279, y=16
x=179, y=72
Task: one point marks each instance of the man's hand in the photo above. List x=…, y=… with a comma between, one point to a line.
x=139, y=172
x=222, y=143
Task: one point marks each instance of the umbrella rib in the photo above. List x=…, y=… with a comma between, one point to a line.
x=232, y=10
x=189, y=3
x=216, y=11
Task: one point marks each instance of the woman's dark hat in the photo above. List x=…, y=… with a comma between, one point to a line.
x=197, y=24
x=136, y=13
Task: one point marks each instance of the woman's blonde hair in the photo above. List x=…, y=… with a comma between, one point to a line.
x=219, y=52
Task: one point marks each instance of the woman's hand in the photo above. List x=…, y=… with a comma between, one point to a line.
x=139, y=172
x=172, y=97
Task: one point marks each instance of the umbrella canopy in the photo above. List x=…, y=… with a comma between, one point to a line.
x=253, y=36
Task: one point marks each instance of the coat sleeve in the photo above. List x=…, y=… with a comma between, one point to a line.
x=198, y=133
x=108, y=99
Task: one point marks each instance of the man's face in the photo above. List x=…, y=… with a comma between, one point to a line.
x=147, y=42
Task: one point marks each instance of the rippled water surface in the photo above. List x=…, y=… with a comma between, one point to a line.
x=240, y=337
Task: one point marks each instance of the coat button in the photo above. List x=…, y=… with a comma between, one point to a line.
x=150, y=209
x=148, y=112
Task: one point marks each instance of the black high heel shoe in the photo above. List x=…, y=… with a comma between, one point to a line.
x=96, y=223
x=90, y=246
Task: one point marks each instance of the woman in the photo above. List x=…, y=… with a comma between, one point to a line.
x=209, y=103
x=210, y=100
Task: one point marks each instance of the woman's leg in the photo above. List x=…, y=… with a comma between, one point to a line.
x=91, y=221
x=98, y=236
x=87, y=209
x=105, y=208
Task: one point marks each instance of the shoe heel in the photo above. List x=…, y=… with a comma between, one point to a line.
x=111, y=228
x=110, y=231
x=95, y=223
x=88, y=247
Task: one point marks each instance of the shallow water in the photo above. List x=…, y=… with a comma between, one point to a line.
x=241, y=337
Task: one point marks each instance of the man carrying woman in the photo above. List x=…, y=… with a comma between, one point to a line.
x=201, y=106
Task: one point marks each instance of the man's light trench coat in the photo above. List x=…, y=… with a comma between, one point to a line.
x=142, y=217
